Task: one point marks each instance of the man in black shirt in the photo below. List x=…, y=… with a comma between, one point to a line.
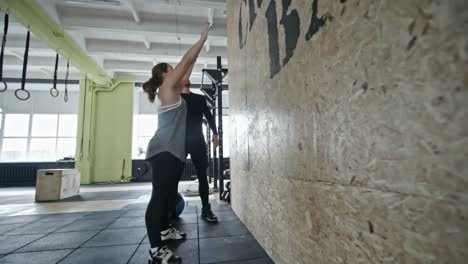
x=195, y=143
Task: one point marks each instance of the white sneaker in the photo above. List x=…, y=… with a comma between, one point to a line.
x=172, y=233
x=163, y=255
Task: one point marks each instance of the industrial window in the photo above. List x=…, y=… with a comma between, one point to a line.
x=43, y=137
x=15, y=137
x=42, y=149
x=144, y=126
x=44, y=125
x=67, y=132
x=14, y=149
x=16, y=125
x=66, y=147
x=38, y=137
x=68, y=125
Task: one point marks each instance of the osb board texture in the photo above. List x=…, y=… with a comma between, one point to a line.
x=356, y=150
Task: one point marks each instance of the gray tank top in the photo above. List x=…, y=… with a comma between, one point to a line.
x=170, y=135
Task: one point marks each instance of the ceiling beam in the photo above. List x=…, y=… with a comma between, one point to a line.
x=140, y=77
x=79, y=37
x=19, y=67
x=88, y=4
x=37, y=74
x=18, y=42
x=160, y=25
x=155, y=58
x=42, y=81
x=155, y=4
x=47, y=72
x=122, y=50
x=147, y=43
x=135, y=14
x=34, y=61
x=14, y=53
x=41, y=56
x=137, y=48
x=144, y=67
x=126, y=35
x=51, y=9
x=47, y=65
x=34, y=17
x=99, y=60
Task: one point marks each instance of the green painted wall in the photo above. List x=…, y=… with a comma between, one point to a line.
x=105, y=136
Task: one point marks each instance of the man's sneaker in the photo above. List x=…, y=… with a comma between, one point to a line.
x=163, y=255
x=172, y=233
x=208, y=215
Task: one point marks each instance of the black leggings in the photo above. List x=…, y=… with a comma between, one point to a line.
x=166, y=169
x=199, y=155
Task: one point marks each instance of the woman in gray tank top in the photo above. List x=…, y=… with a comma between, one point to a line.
x=166, y=150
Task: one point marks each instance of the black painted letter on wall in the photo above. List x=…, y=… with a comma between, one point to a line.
x=315, y=22
x=252, y=14
x=273, y=46
x=291, y=24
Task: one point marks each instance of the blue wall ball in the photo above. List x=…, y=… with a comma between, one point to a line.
x=180, y=204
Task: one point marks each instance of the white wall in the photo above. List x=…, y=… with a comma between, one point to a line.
x=40, y=102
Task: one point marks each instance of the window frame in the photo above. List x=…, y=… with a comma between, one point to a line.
x=29, y=138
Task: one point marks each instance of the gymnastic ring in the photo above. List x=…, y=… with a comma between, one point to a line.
x=25, y=98
x=54, y=92
x=5, y=86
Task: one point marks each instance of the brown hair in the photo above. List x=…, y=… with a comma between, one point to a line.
x=151, y=86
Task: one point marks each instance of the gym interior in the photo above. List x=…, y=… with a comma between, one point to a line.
x=342, y=124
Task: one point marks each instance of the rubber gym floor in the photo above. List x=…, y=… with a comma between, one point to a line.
x=105, y=224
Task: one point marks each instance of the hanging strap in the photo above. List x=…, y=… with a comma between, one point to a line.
x=53, y=91
x=65, y=98
x=25, y=68
x=5, y=31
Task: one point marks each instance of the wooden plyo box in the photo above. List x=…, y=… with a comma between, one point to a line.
x=57, y=184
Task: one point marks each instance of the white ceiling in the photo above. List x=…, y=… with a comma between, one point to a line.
x=126, y=39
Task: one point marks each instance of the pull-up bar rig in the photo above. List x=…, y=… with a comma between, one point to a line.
x=215, y=93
